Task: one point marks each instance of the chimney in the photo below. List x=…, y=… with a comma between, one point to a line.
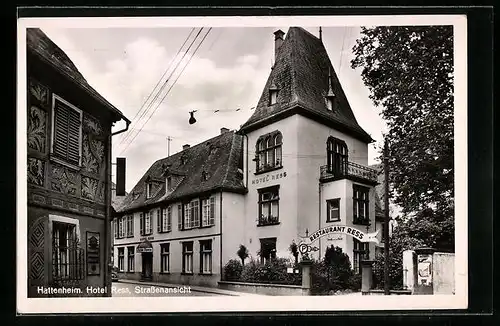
x=185, y=146
x=278, y=41
x=223, y=130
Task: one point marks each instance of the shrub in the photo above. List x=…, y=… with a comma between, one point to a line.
x=333, y=273
x=242, y=253
x=232, y=270
x=274, y=272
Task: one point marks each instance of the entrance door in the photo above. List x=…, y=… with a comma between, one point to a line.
x=147, y=266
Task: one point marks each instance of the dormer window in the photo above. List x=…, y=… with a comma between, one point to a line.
x=169, y=183
x=330, y=101
x=330, y=96
x=149, y=190
x=273, y=94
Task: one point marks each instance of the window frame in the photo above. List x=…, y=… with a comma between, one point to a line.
x=209, y=253
x=187, y=255
x=121, y=258
x=361, y=251
x=272, y=252
x=130, y=226
x=131, y=257
x=165, y=256
x=267, y=148
x=269, y=220
x=329, y=203
x=365, y=220
x=53, y=156
x=337, y=156
x=207, y=221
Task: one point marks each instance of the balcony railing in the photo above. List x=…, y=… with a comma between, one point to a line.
x=350, y=169
x=268, y=220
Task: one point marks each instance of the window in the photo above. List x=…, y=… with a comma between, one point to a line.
x=269, y=206
x=268, y=149
x=273, y=94
x=191, y=214
x=115, y=228
x=208, y=211
x=121, y=259
x=149, y=190
x=66, y=131
x=187, y=257
x=361, y=252
x=67, y=256
x=165, y=223
x=360, y=205
x=267, y=249
x=333, y=210
x=165, y=258
x=169, y=183
x=121, y=230
x=337, y=156
x=206, y=256
x=179, y=217
x=130, y=226
x=131, y=259
x=147, y=223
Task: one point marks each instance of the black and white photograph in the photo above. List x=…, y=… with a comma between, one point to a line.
x=242, y=163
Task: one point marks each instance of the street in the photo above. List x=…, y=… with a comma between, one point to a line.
x=142, y=290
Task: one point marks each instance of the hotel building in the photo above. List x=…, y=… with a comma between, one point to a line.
x=298, y=164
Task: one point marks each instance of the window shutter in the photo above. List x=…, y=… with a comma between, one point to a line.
x=67, y=124
x=196, y=213
x=116, y=229
x=141, y=217
x=158, y=221
x=212, y=211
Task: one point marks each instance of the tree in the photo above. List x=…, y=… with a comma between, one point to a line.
x=295, y=252
x=409, y=72
x=242, y=253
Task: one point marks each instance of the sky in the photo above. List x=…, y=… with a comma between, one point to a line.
x=227, y=72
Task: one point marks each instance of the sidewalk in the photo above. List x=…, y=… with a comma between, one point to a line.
x=193, y=288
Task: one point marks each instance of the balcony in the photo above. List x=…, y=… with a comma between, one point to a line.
x=351, y=171
x=268, y=220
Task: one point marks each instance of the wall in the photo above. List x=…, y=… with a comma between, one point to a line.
x=287, y=178
x=443, y=273
x=232, y=212
x=263, y=289
x=57, y=188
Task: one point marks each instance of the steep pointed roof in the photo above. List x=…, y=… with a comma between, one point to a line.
x=301, y=75
x=219, y=157
x=39, y=44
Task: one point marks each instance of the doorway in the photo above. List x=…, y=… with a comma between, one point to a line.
x=147, y=266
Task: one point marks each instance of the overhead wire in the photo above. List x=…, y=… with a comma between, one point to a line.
x=127, y=135
x=173, y=84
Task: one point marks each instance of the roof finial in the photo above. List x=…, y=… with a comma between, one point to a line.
x=320, y=34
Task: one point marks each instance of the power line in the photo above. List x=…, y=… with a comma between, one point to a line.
x=175, y=81
x=158, y=83
x=159, y=91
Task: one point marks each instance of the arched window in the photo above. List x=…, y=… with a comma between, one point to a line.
x=269, y=151
x=337, y=156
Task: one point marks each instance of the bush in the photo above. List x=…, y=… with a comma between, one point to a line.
x=232, y=270
x=333, y=273
x=274, y=272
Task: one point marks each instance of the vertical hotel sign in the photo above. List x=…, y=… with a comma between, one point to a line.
x=93, y=256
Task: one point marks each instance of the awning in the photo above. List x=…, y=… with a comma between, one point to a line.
x=144, y=246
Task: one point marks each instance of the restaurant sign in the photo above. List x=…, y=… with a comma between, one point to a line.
x=306, y=245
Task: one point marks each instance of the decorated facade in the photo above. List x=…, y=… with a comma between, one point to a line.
x=69, y=179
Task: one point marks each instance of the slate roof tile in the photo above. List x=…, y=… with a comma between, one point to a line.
x=301, y=74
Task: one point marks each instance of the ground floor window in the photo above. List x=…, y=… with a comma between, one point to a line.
x=131, y=259
x=67, y=256
x=187, y=257
x=267, y=249
x=121, y=259
x=206, y=256
x=165, y=258
x=361, y=252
